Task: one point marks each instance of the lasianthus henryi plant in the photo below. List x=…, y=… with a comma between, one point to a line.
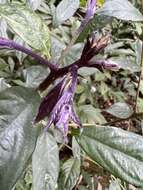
x=118, y=151
x=61, y=107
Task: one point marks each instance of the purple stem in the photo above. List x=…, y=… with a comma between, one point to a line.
x=91, y=7
x=55, y=71
x=99, y=64
x=11, y=44
x=107, y=64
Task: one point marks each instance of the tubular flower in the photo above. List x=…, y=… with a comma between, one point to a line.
x=93, y=47
x=50, y=100
x=62, y=111
x=58, y=104
x=91, y=7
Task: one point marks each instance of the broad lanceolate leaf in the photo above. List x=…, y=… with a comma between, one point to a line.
x=91, y=114
x=121, y=9
x=118, y=151
x=100, y=2
x=66, y=9
x=3, y=84
x=96, y=23
x=57, y=46
x=74, y=54
x=34, y=75
x=45, y=163
x=75, y=148
x=27, y=24
x=87, y=71
x=114, y=185
x=34, y=4
x=3, y=28
x=69, y=174
x=120, y=110
x=3, y=1
x=17, y=135
x=20, y=55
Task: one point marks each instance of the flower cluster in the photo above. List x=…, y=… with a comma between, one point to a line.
x=59, y=101
x=58, y=104
x=63, y=111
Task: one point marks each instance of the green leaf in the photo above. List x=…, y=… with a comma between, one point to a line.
x=65, y=10
x=96, y=23
x=141, y=86
x=118, y=151
x=34, y=75
x=57, y=45
x=45, y=163
x=3, y=28
x=69, y=174
x=91, y=114
x=121, y=9
x=138, y=51
x=127, y=63
x=3, y=65
x=140, y=105
x=120, y=110
x=3, y=84
x=114, y=185
x=34, y=4
x=100, y=2
x=75, y=148
x=85, y=71
x=17, y=135
x=74, y=54
x=28, y=25
x=20, y=55
x=81, y=187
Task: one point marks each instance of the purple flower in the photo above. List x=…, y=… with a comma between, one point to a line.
x=105, y=64
x=63, y=111
x=60, y=103
x=93, y=47
x=91, y=7
x=49, y=101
